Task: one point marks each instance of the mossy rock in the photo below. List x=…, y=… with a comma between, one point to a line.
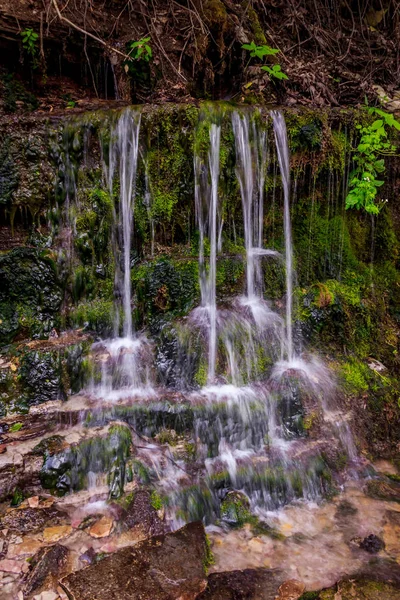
x=362, y=589
x=68, y=470
x=235, y=509
x=383, y=490
x=30, y=294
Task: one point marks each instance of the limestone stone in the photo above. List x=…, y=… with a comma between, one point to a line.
x=27, y=547
x=102, y=527
x=56, y=533
x=10, y=566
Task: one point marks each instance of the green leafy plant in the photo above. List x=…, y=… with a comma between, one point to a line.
x=275, y=71
x=15, y=427
x=139, y=50
x=373, y=146
x=260, y=51
x=30, y=43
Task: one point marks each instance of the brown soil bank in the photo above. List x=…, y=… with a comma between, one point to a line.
x=334, y=53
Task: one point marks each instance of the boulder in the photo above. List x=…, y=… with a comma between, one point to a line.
x=47, y=566
x=249, y=584
x=161, y=568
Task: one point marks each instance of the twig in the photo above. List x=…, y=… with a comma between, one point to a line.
x=94, y=37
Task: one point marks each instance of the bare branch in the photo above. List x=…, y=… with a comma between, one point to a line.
x=86, y=33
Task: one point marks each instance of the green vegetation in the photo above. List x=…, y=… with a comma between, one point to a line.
x=16, y=427
x=30, y=44
x=209, y=558
x=17, y=498
x=274, y=72
x=374, y=144
x=156, y=501
x=140, y=49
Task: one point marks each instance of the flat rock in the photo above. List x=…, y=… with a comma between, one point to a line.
x=26, y=548
x=31, y=520
x=47, y=566
x=56, y=533
x=11, y=566
x=249, y=584
x=102, y=527
x=164, y=567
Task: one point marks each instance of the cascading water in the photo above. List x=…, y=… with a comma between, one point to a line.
x=246, y=422
x=282, y=149
x=206, y=198
x=125, y=361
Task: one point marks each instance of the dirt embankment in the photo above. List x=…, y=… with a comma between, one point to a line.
x=333, y=53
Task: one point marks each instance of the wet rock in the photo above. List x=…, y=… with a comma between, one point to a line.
x=152, y=569
x=361, y=589
x=249, y=584
x=88, y=557
x=47, y=566
x=116, y=478
x=142, y=515
x=30, y=520
x=291, y=590
x=54, y=534
x=391, y=533
x=383, y=490
x=102, y=527
x=33, y=501
x=235, y=508
x=372, y=544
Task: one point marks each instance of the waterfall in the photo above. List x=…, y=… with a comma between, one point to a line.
x=124, y=148
x=125, y=362
x=247, y=413
x=282, y=148
x=206, y=198
x=251, y=165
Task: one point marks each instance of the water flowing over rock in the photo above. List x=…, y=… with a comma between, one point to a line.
x=209, y=327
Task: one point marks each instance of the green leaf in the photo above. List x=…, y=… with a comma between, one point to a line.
x=251, y=46
x=377, y=124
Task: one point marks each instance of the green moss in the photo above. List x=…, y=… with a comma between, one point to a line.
x=201, y=373
x=355, y=376
x=235, y=509
x=255, y=26
x=17, y=497
x=209, y=558
x=156, y=501
x=96, y=315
